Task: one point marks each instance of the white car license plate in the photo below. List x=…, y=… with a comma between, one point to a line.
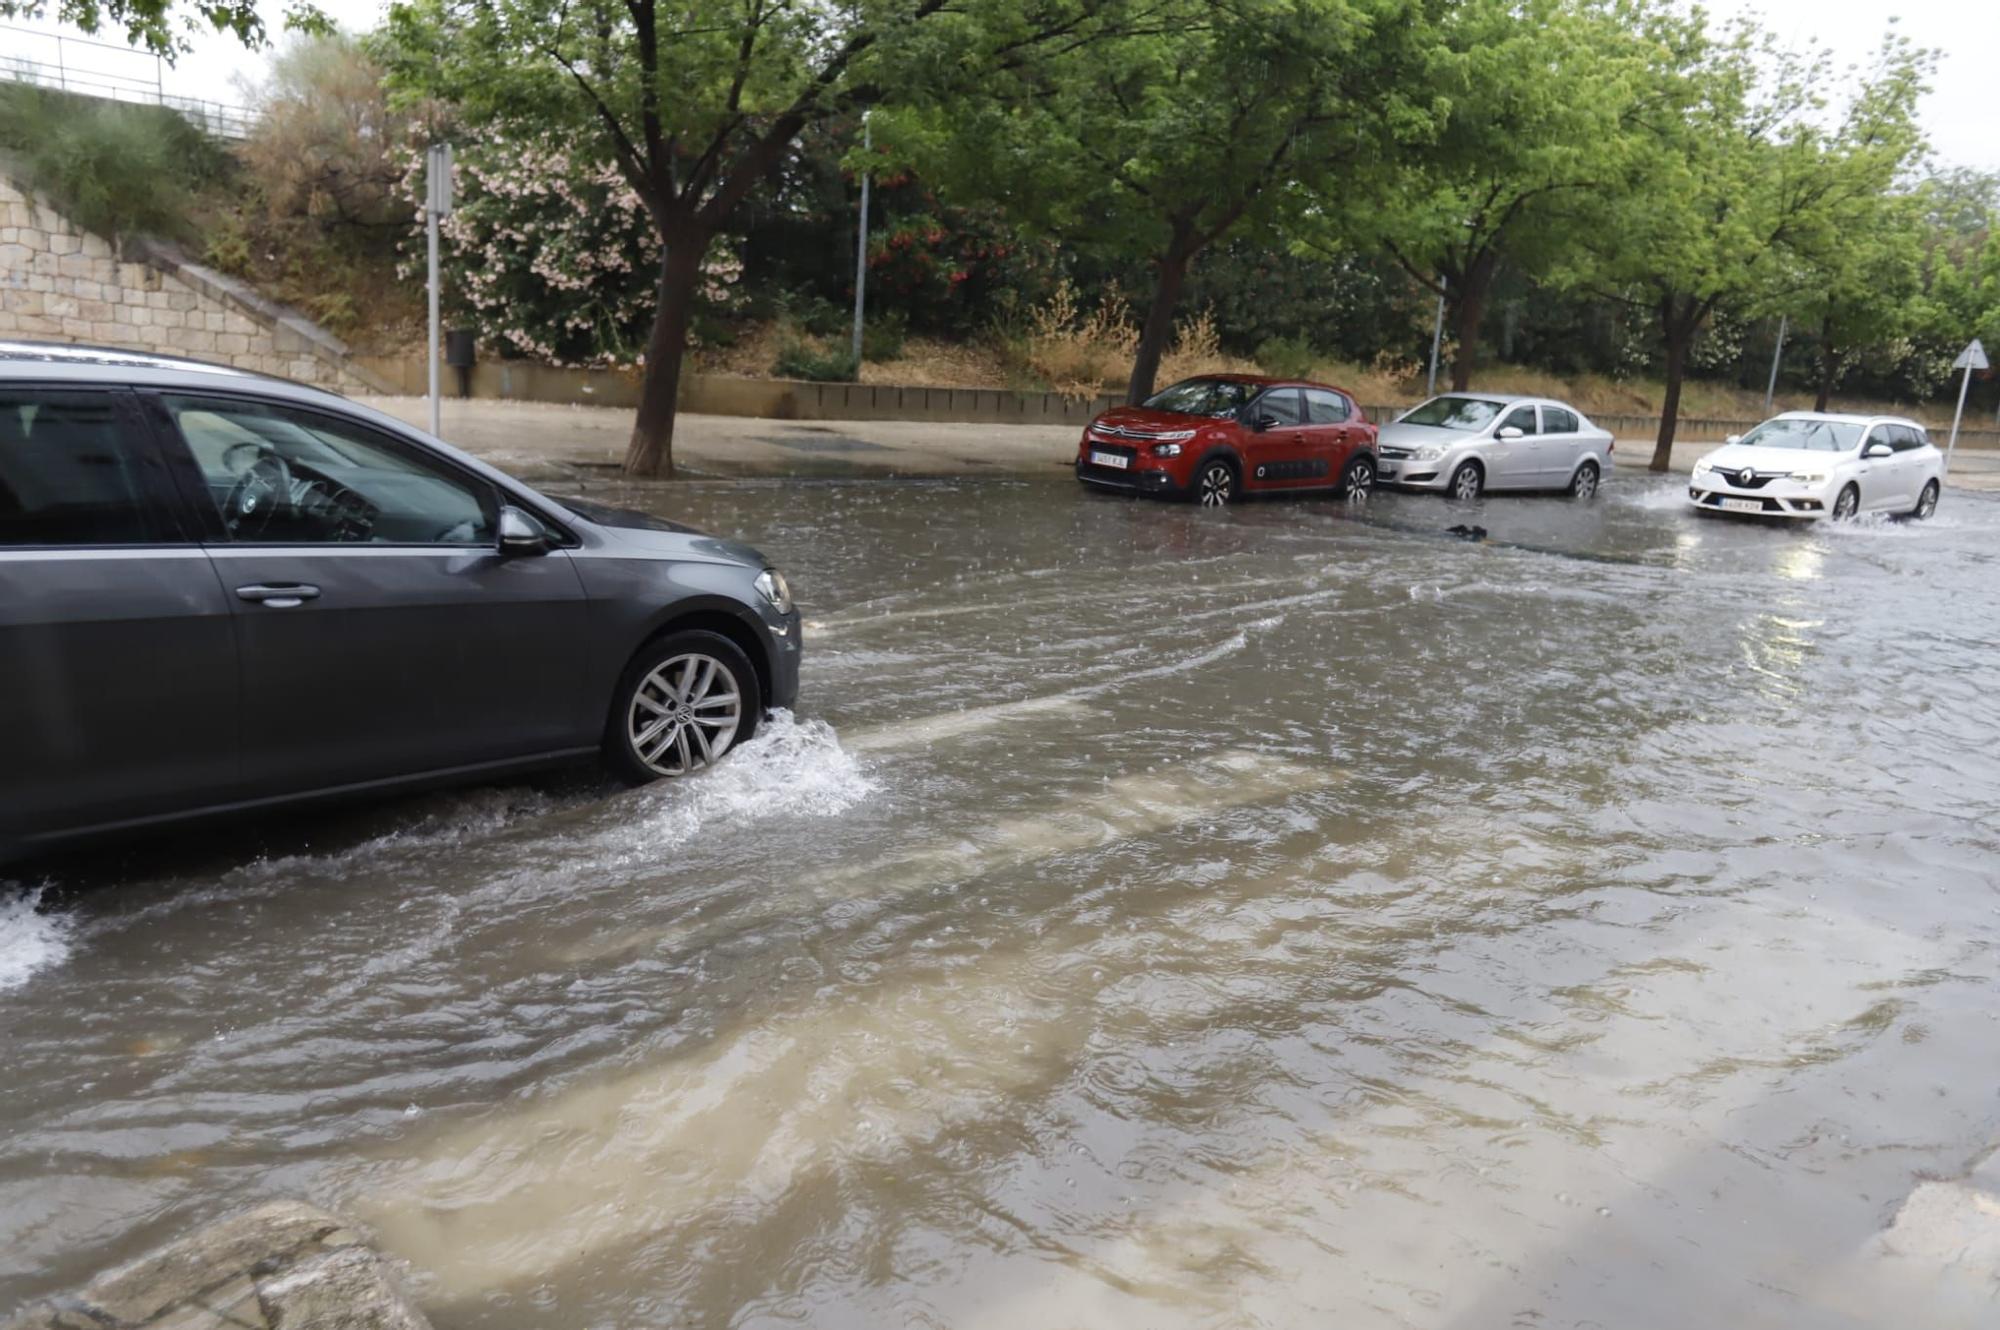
x=1110, y=459
x=1744, y=505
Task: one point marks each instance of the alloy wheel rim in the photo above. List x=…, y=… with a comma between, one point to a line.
x=1215, y=487
x=1360, y=480
x=1586, y=482
x=1927, y=502
x=684, y=714
x=1844, y=506
x=1466, y=484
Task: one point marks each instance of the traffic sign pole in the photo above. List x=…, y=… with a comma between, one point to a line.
x=1970, y=359
x=437, y=203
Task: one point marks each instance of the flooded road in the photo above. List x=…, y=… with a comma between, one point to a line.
x=1286, y=916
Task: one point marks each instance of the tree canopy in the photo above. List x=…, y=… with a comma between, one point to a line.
x=1643, y=183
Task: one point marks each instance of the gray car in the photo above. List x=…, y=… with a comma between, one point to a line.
x=220, y=591
x=1467, y=443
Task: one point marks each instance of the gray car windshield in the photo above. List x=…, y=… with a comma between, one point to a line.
x=1202, y=397
x=1459, y=413
x=1820, y=436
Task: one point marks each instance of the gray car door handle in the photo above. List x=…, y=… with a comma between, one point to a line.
x=280, y=596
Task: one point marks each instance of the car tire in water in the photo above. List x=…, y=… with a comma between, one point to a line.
x=1847, y=505
x=1583, y=485
x=1926, y=502
x=1357, y=477
x=1468, y=482
x=1215, y=484
x=686, y=699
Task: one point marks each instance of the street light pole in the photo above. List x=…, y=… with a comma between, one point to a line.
x=1437, y=342
x=861, y=246
x=1771, y=388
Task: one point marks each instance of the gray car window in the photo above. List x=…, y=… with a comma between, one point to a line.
x=70, y=473
x=283, y=476
x=1556, y=420
x=1521, y=418
x=1904, y=439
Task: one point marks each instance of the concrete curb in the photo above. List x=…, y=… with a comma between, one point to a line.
x=283, y=1265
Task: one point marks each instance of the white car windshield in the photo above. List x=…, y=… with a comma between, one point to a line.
x=1459, y=413
x=1820, y=436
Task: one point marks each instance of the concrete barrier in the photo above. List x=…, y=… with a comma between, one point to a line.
x=800, y=399
x=767, y=399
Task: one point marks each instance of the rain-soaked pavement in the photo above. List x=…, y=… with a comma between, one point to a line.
x=1289, y=916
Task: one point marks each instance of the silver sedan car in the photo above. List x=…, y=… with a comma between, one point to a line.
x=1467, y=443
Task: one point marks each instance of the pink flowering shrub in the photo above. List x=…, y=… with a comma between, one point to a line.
x=551, y=257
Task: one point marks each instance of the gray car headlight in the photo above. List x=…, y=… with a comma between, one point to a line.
x=771, y=585
x=1430, y=452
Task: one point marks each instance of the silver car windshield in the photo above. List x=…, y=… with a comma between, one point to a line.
x=1459, y=413
x=1820, y=436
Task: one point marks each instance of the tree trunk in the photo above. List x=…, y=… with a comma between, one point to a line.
x=1172, y=268
x=1670, y=405
x=1471, y=312
x=1829, y=366
x=651, y=451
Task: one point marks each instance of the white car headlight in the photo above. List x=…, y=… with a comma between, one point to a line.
x=771, y=586
x=1430, y=452
x=1171, y=436
x=1166, y=450
x=1808, y=477
x=1702, y=467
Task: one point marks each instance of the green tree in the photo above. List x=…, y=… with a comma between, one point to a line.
x=1863, y=288
x=697, y=104
x=1182, y=123
x=1537, y=95
x=1732, y=182
x=163, y=26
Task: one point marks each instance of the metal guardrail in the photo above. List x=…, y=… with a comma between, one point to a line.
x=63, y=72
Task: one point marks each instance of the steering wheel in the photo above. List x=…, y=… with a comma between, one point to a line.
x=262, y=491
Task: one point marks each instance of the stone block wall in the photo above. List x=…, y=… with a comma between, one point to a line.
x=61, y=283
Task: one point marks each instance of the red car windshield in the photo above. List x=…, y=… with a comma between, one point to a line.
x=1203, y=397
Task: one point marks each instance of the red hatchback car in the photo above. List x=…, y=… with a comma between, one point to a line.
x=1219, y=437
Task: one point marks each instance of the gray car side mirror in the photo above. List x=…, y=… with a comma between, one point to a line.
x=1734, y=438
x=521, y=534
x=1878, y=450
x=1507, y=432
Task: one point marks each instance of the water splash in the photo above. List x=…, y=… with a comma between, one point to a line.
x=792, y=768
x=30, y=941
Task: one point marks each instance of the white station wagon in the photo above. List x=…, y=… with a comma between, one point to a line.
x=1467, y=443
x=1806, y=464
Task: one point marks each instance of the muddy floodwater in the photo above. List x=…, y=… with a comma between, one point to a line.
x=1288, y=916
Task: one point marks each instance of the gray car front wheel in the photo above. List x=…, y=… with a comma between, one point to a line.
x=686, y=699
x=1467, y=482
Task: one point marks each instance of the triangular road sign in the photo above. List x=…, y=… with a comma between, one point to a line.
x=1973, y=357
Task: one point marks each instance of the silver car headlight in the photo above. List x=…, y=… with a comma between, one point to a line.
x=1808, y=477
x=771, y=586
x=1430, y=452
